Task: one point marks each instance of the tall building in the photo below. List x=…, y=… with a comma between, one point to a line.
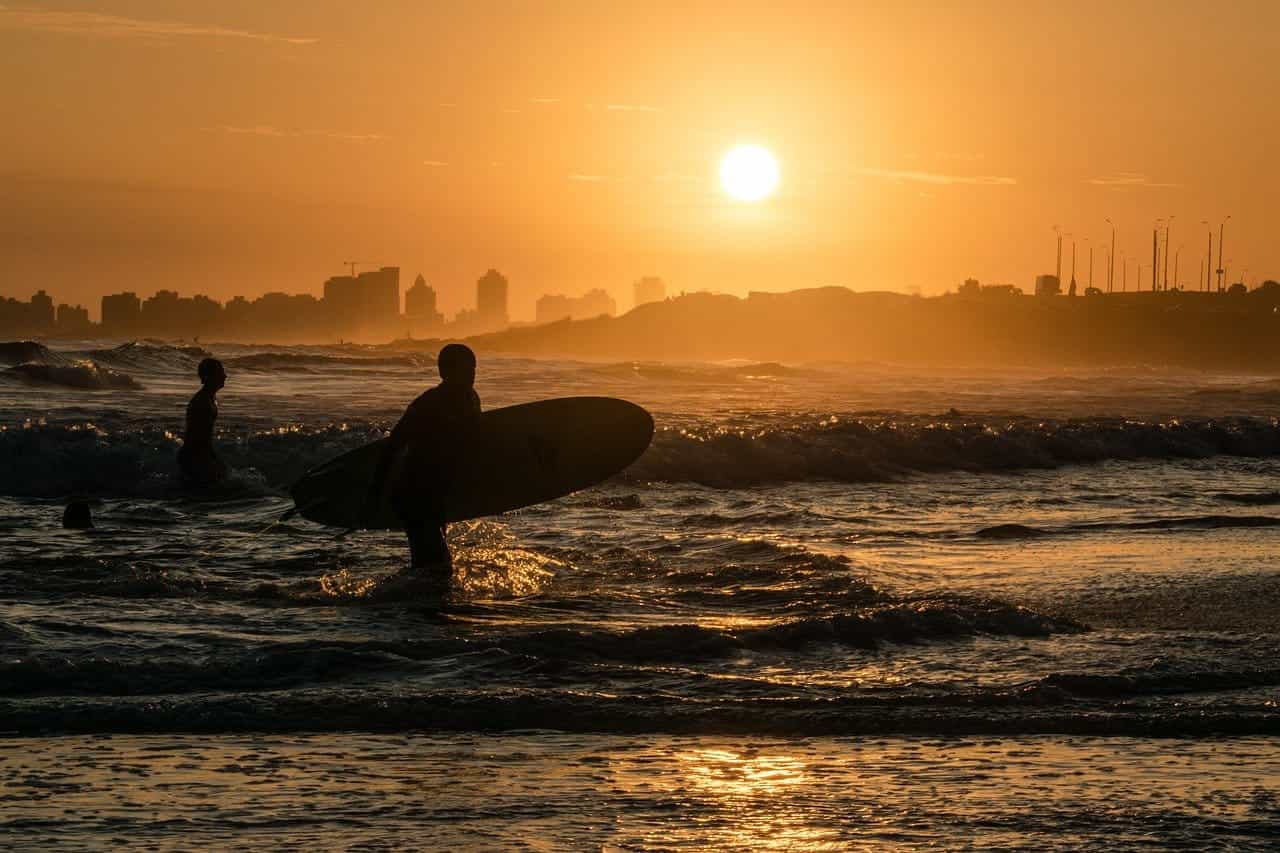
x=420, y=312
x=342, y=304
x=380, y=297
x=491, y=301
x=649, y=289
x=121, y=313
x=42, y=314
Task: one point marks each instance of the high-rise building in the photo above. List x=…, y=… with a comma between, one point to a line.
x=491, y=301
x=342, y=304
x=649, y=289
x=420, y=312
x=380, y=297
x=42, y=314
x=121, y=313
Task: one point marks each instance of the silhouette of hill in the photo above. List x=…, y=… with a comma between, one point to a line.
x=1173, y=328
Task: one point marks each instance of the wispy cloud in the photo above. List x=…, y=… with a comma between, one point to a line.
x=544, y=100
x=434, y=163
x=630, y=108
x=116, y=26
x=277, y=133
x=589, y=178
x=1127, y=179
x=256, y=130
x=936, y=178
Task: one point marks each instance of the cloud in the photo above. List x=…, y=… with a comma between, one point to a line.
x=276, y=133
x=935, y=178
x=256, y=130
x=1127, y=179
x=630, y=108
x=580, y=177
x=434, y=163
x=544, y=100
x=116, y=26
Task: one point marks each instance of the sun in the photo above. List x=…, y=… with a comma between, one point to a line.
x=749, y=172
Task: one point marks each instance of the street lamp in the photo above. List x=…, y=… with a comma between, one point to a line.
x=1221, y=270
x=1208, y=265
x=1111, y=265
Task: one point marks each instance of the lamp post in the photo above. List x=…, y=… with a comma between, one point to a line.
x=1058, y=267
x=1167, y=226
x=1072, y=290
x=1207, y=272
x=1175, y=265
x=1221, y=270
x=1111, y=265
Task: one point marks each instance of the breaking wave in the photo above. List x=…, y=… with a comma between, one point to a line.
x=294, y=361
x=84, y=374
x=137, y=355
x=42, y=460
x=869, y=451
x=18, y=352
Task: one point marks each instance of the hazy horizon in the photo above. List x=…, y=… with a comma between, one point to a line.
x=240, y=149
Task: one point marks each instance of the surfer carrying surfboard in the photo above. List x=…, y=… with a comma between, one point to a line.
x=417, y=461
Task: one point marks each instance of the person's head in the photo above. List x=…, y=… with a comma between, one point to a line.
x=211, y=373
x=457, y=364
x=77, y=515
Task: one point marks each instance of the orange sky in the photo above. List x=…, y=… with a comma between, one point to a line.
x=234, y=147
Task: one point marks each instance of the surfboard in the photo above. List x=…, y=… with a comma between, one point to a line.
x=515, y=457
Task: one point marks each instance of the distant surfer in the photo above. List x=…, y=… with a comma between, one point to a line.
x=425, y=442
x=200, y=466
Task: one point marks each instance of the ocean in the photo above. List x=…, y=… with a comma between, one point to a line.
x=833, y=606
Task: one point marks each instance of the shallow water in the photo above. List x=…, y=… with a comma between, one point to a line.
x=547, y=791
x=808, y=552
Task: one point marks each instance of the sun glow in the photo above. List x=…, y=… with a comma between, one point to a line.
x=749, y=173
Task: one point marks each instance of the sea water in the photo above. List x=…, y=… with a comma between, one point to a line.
x=833, y=605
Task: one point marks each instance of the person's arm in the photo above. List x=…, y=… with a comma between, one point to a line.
x=394, y=444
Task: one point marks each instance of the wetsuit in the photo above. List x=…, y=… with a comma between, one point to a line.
x=199, y=464
x=428, y=435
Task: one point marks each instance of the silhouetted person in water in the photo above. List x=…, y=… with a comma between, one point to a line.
x=200, y=465
x=427, y=437
x=77, y=515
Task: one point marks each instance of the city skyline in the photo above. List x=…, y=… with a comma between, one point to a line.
x=567, y=181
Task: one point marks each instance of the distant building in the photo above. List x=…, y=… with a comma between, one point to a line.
x=121, y=313
x=420, y=313
x=491, y=301
x=1001, y=290
x=1048, y=285
x=380, y=297
x=648, y=289
x=971, y=287
x=593, y=303
x=343, y=306
x=73, y=320
x=42, y=313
